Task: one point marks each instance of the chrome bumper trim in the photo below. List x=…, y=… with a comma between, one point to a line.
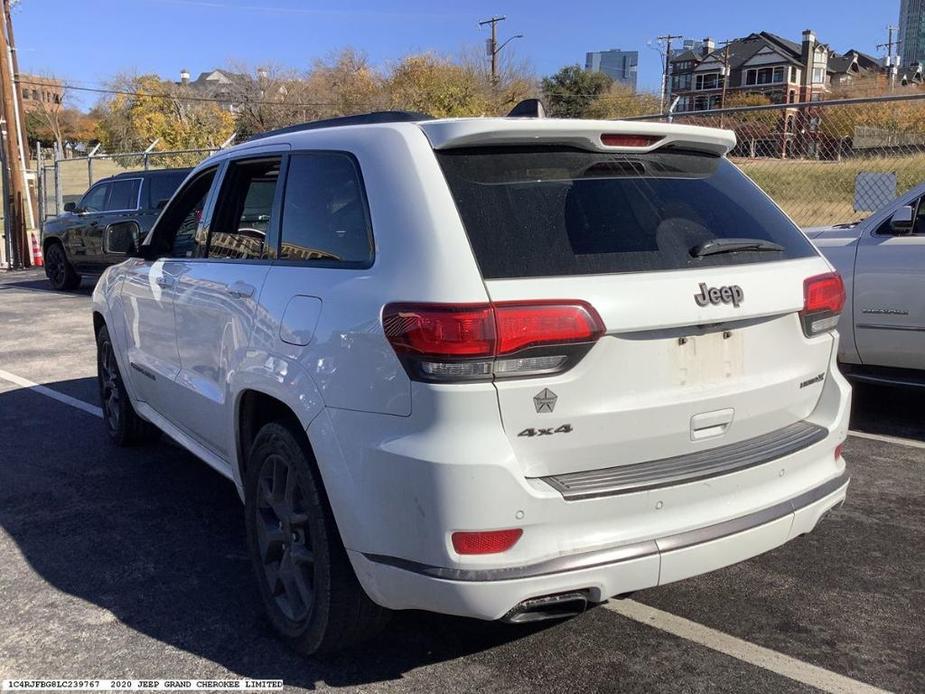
x=690, y=467
x=622, y=553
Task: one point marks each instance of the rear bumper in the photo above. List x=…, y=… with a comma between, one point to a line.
x=603, y=572
x=398, y=497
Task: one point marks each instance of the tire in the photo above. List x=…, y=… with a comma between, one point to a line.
x=58, y=270
x=123, y=424
x=308, y=587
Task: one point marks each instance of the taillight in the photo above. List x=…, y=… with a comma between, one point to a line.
x=823, y=301
x=439, y=342
x=627, y=140
x=486, y=542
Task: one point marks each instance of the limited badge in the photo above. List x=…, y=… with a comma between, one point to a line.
x=545, y=400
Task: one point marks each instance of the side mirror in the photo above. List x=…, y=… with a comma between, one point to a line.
x=902, y=220
x=70, y=206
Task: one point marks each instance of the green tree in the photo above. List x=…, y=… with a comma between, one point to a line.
x=437, y=86
x=148, y=108
x=570, y=92
x=620, y=101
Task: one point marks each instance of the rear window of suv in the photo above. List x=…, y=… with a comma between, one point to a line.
x=551, y=211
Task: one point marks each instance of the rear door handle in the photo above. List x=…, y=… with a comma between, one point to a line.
x=241, y=290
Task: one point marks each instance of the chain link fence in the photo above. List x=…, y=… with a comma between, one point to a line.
x=826, y=162
x=66, y=180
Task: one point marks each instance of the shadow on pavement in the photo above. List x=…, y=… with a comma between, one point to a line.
x=37, y=282
x=156, y=537
x=889, y=410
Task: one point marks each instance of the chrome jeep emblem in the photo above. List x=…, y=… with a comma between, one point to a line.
x=545, y=400
x=732, y=294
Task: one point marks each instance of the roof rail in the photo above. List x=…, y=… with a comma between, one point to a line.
x=360, y=119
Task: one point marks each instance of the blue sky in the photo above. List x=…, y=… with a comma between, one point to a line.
x=97, y=38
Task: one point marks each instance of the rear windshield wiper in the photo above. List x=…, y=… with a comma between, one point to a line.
x=733, y=246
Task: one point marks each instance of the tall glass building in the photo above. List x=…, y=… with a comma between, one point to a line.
x=912, y=32
x=619, y=65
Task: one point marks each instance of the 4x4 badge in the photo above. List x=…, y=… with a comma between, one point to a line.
x=545, y=400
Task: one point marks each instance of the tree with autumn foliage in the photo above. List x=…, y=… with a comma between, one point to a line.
x=146, y=108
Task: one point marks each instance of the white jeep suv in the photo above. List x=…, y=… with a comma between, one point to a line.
x=502, y=368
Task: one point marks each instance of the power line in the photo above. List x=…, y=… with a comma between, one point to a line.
x=178, y=97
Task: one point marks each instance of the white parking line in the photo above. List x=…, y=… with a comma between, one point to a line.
x=53, y=394
x=897, y=440
x=741, y=650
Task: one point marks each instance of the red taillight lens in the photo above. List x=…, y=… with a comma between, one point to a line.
x=622, y=140
x=459, y=331
x=525, y=326
x=839, y=449
x=823, y=301
x=438, y=342
x=486, y=542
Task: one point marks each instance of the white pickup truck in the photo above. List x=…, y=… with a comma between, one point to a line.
x=882, y=262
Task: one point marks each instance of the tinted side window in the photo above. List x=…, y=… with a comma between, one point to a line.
x=95, y=199
x=123, y=194
x=177, y=232
x=244, y=209
x=325, y=216
x=163, y=186
x=918, y=209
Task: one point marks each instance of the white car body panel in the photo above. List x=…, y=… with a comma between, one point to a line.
x=406, y=463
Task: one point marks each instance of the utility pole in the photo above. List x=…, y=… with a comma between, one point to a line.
x=726, y=74
x=493, y=43
x=492, y=47
x=892, y=60
x=666, y=79
x=20, y=114
x=16, y=192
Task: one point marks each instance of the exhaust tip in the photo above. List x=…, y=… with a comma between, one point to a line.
x=557, y=606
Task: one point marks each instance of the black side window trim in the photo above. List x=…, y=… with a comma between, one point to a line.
x=271, y=248
x=321, y=263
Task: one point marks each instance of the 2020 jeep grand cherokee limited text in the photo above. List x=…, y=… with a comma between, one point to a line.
x=500, y=368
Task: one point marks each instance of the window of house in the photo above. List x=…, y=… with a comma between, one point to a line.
x=794, y=74
x=35, y=94
x=123, y=194
x=818, y=75
x=325, y=216
x=710, y=80
x=764, y=75
x=25, y=93
x=244, y=210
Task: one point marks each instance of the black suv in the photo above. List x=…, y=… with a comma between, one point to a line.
x=110, y=220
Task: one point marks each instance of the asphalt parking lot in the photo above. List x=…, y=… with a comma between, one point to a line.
x=117, y=563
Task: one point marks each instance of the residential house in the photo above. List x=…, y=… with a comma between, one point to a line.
x=763, y=63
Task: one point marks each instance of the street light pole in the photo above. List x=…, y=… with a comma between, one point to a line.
x=493, y=48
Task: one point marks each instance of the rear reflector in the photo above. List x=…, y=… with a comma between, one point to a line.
x=823, y=301
x=839, y=449
x=438, y=342
x=623, y=140
x=486, y=542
